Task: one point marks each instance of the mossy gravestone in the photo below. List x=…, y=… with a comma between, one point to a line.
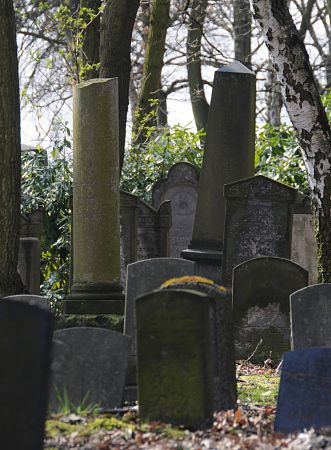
x=261, y=305
x=25, y=354
x=174, y=350
x=225, y=386
x=311, y=317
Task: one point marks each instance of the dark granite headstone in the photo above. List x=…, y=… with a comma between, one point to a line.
x=311, y=317
x=36, y=300
x=174, y=349
x=25, y=353
x=181, y=188
x=258, y=222
x=261, y=305
x=225, y=386
x=144, y=230
x=305, y=391
x=143, y=277
x=89, y=365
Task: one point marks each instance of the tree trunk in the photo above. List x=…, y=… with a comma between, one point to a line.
x=274, y=98
x=304, y=106
x=155, y=48
x=10, y=153
x=91, y=43
x=242, y=28
x=199, y=103
x=115, y=48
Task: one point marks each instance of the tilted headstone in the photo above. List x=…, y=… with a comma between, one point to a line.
x=304, y=247
x=175, y=358
x=29, y=254
x=225, y=386
x=143, y=277
x=96, y=285
x=144, y=230
x=181, y=188
x=304, y=396
x=258, y=222
x=36, y=300
x=89, y=366
x=229, y=156
x=25, y=354
x=311, y=316
x=261, y=305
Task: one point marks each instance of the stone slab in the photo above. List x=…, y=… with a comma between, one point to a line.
x=89, y=365
x=305, y=391
x=36, y=300
x=311, y=317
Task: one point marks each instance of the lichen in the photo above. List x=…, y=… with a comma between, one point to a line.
x=187, y=279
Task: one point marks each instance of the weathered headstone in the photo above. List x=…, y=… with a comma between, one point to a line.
x=35, y=300
x=258, y=222
x=29, y=254
x=96, y=219
x=89, y=366
x=261, y=305
x=229, y=156
x=304, y=247
x=25, y=354
x=143, y=277
x=144, y=230
x=181, y=188
x=225, y=386
x=311, y=316
x=175, y=359
x=304, y=396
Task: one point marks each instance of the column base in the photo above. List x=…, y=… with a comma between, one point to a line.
x=208, y=263
x=94, y=300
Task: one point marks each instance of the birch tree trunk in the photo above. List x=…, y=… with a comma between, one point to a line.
x=305, y=109
x=10, y=153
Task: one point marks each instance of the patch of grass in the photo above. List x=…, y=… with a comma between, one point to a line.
x=258, y=389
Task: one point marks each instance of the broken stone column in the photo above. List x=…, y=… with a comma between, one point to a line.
x=96, y=285
x=229, y=156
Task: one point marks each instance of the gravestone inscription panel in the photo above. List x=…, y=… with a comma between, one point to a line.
x=175, y=358
x=261, y=306
x=311, y=316
x=258, y=221
x=181, y=188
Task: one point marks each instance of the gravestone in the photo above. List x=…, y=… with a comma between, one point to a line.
x=311, y=317
x=29, y=253
x=229, y=156
x=304, y=247
x=304, y=396
x=258, y=222
x=96, y=287
x=36, y=300
x=25, y=353
x=143, y=277
x=175, y=358
x=144, y=230
x=261, y=306
x=89, y=366
x=181, y=188
x=225, y=386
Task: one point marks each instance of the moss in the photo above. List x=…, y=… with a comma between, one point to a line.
x=108, y=321
x=105, y=423
x=56, y=428
x=192, y=281
x=258, y=389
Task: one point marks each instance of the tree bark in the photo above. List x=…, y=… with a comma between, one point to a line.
x=199, y=103
x=155, y=48
x=242, y=28
x=305, y=109
x=115, y=48
x=10, y=153
x=91, y=43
